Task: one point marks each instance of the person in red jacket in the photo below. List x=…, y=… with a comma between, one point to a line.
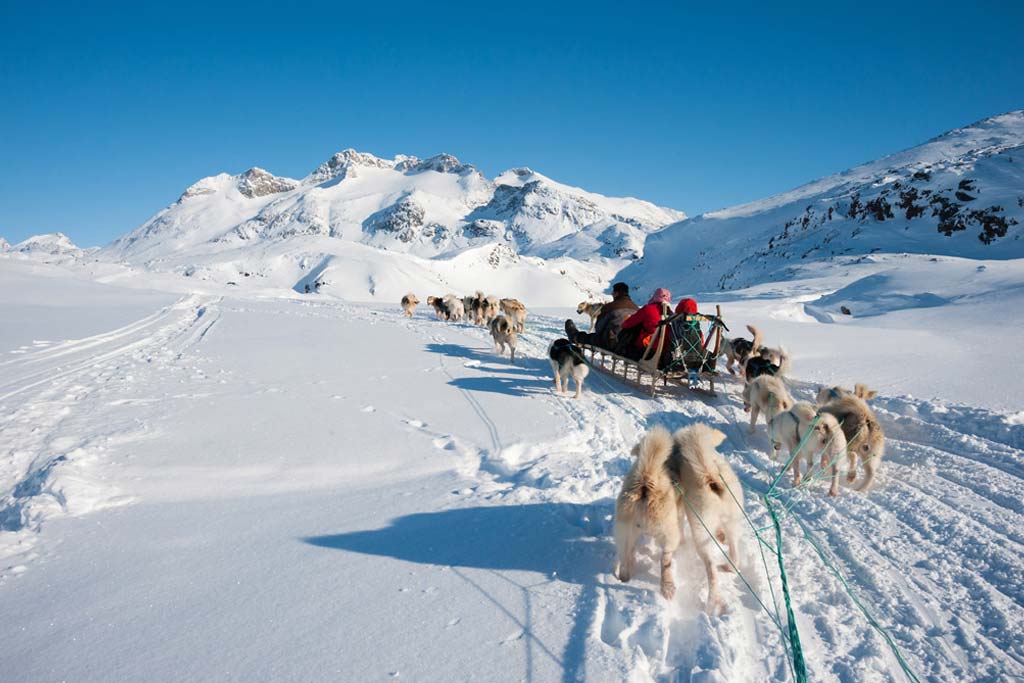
x=647, y=319
x=686, y=306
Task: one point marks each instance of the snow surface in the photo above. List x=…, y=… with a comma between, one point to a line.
x=230, y=487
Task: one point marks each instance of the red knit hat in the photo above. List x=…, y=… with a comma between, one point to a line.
x=687, y=306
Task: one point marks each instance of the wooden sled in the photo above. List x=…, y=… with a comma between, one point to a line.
x=633, y=371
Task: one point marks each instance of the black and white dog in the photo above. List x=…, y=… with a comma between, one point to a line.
x=567, y=361
x=761, y=364
x=738, y=349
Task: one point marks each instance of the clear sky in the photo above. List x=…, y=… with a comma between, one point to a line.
x=108, y=112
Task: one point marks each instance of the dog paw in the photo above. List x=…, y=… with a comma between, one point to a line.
x=725, y=568
x=850, y=477
x=833, y=492
x=668, y=590
x=714, y=607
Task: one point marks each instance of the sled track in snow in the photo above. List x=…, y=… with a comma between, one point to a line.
x=933, y=551
x=60, y=410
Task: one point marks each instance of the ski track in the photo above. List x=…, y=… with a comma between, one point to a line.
x=62, y=413
x=933, y=551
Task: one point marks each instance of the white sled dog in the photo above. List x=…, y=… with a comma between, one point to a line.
x=492, y=308
x=790, y=428
x=712, y=499
x=409, y=302
x=515, y=311
x=864, y=437
x=593, y=309
x=567, y=361
x=456, y=309
x=503, y=333
x=768, y=395
x=648, y=504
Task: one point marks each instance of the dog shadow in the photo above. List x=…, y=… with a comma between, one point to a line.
x=563, y=539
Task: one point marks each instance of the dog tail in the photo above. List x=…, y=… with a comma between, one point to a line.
x=697, y=444
x=785, y=362
x=758, y=339
x=652, y=454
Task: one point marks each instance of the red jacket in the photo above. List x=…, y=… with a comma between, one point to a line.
x=647, y=317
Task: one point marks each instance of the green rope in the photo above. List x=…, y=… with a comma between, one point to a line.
x=794, y=635
x=849, y=591
x=796, y=649
x=728, y=559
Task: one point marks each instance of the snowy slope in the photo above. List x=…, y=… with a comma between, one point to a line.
x=425, y=214
x=173, y=508
x=960, y=194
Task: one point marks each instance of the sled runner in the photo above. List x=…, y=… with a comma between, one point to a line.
x=688, y=356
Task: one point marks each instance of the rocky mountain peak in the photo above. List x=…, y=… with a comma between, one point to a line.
x=257, y=182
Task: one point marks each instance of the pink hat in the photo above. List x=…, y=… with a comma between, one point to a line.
x=661, y=295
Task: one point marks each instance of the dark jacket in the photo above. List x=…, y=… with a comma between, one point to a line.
x=609, y=323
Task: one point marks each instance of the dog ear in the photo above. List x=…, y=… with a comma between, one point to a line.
x=635, y=452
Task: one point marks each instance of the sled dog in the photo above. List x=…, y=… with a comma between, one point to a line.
x=503, y=333
x=864, y=436
x=712, y=499
x=822, y=437
x=768, y=395
x=738, y=349
x=826, y=394
x=456, y=309
x=409, y=302
x=592, y=309
x=567, y=361
x=440, y=307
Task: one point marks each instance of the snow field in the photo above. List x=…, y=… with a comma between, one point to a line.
x=308, y=489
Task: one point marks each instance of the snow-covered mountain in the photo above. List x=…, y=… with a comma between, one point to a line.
x=48, y=248
x=960, y=194
x=366, y=227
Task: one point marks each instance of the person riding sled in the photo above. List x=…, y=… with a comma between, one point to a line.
x=638, y=329
x=609, y=322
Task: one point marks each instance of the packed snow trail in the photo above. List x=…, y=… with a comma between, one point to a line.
x=315, y=490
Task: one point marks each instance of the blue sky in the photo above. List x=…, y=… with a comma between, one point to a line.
x=108, y=112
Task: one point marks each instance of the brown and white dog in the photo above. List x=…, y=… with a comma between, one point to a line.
x=765, y=394
x=823, y=436
x=864, y=436
x=826, y=394
x=503, y=332
x=409, y=302
x=515, y=311
x=593, y=309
